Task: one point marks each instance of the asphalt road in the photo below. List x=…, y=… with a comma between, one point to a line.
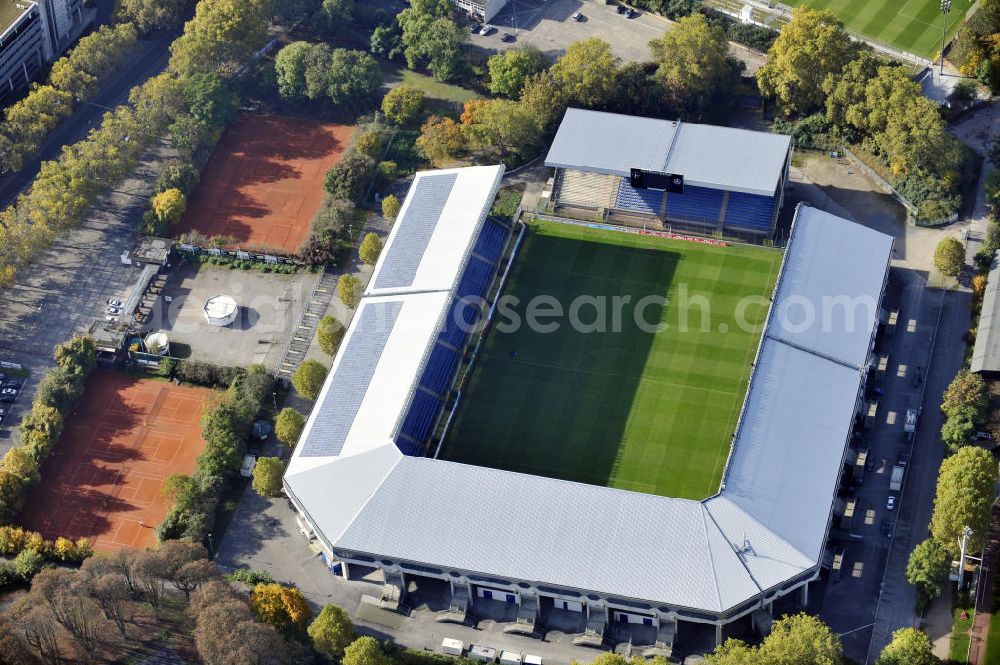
x=149, y=59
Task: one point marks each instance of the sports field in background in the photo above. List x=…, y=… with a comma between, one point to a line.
x=911, y=25
x=637, y=410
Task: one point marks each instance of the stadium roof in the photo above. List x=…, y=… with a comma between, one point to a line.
x=737, y=160
x=986, y=352
x=766, y=526
x=433, y=233
x=828, y=298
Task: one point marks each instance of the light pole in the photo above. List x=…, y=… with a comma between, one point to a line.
x=966, y=532
x=945, y=8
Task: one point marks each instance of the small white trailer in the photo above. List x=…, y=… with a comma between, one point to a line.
x=452, y=647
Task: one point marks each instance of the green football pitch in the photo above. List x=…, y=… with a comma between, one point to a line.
x=628, y=407
x=911, y=25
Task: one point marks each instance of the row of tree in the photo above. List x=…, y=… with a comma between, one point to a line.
x=57, y=391
x=74, y=78
x=834, y=86
x=225, y=428
x=348, y=79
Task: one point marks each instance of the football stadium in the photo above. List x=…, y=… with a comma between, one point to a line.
x=641, y=472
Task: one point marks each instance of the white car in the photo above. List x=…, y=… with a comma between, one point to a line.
x=890, y=502
x=114, y=311
x=114, y=302
x=486, y=29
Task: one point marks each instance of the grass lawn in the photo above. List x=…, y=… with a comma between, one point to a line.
x=632, y=409
x=910, y=25
x=959, y=649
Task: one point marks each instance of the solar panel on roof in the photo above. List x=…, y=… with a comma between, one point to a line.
x=399, y=268
x=350, y=380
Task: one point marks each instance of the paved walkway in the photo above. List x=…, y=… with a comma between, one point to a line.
x=984, y=591
x=937, y=624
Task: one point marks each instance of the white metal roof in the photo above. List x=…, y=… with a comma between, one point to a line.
x=737, y=160
x=986, y=353
x=766, y=526
x=435, y=230
x=828, y=298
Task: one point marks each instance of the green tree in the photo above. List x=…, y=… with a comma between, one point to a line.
x=802, y=639
x=966, y=392
x=329, y=334
x=965, y=492
x=587, y=72
x=544, y=101
x=909, y=646
x=221, y=36
x=958, y=429
x=928, y=567
x=349, y=290
x=402, y=104
x=349, y=177
x=390, y=207
x=284, y=608
x=369, y=143
x=290, y=70
x=386, y=41
x=335, y=16
x=693, y=65
x=169, y=206
x=371, y=247
x=149, y=15
x=353, y=78
x=811, y=47
x=267, y=476
x=509, y=70
x=441, y=140
x=365, y=651
x=949, y=257
x=331, y=632
x=499, y=127
x=288, y=426
x=308, y=378
x=431, y=38
x=733, y=652
x=27, y=563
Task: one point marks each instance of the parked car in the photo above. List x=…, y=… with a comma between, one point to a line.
x=621, y=9
x=577, y=16
x=474, y=28
x=10, y=384
x=487, y=29
x=629, y=13
x=114, y=302
x=113, y=311
x=507, y=37
x=890, y=503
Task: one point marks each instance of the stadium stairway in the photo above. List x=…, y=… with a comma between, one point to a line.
x=303, y=336
x=586, y=189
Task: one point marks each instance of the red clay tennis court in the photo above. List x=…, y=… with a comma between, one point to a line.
x=104, y=476
x=264, y=182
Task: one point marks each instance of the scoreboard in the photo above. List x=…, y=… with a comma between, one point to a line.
x=668, y=182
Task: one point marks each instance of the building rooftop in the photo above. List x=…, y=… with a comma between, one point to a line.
x=737, y=160
x=986, y=352
x=11, y=10
x=150, y=249
x=765, y=527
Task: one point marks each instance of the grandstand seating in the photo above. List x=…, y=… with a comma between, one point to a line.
x=446, y=354
x=696, y=204
x=594, y=190
x=638, y=200
x=749, y=211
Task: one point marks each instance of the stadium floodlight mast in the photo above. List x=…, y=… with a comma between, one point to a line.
x=945, y=9
x=966, y=532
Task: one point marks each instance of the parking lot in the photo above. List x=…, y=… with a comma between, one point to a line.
x=548, y=25
x=271, y=306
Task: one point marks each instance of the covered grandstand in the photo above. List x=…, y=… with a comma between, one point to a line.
x=366, y=489
x=734, y=179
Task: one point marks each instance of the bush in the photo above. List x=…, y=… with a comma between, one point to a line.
x=288, y=426
x=348, y=178
x=390, y=207
x=250, y=577
x=178, y=175
x=949, y=257
x=349, y=290
x=27, y=564
x=169, y=206
x=308, y=379
x=369, y=144
x=329, y=334
x=371, y=247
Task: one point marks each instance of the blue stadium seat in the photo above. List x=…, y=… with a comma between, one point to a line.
x=491, y=241
x=696, y=204
x=440, y=369
x=640, y=200
x=420, y=418
x=750, y=212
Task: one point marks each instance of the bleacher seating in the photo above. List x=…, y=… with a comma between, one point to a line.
x=749, y=211
x=696, y=204
x=446, y=355
x=594, y=190
x=639, y=200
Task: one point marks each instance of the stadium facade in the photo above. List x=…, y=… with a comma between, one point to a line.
x=365, y=483
x=734, y=179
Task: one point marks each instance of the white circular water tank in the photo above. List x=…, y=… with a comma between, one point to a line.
x=221, y=310
x=158, y=343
